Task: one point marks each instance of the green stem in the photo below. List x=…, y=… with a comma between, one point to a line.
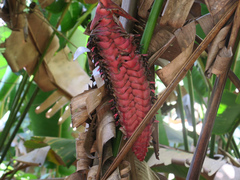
x=231, y=136
x=212, y=146
x=235, y=148
x=11, y=120
x=81, y=19
x=190, y=88
x=150, y=26
x=163, y=139
x=182, y=118
x=18, y=124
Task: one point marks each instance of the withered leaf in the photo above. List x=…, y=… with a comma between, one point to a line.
x=175, y=13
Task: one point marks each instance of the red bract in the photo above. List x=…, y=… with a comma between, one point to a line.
x=123, y=70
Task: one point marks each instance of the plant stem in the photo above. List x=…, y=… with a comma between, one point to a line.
x=184, y=131
x=235, y=148
x=81, y=19
x=150, y=26
x=11, y=120
x=212, y=146
x=191, y=94
x=18, y=124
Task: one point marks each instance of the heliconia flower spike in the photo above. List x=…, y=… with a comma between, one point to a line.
x=126, y=74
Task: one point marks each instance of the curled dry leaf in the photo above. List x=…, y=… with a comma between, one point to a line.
x=222, y=60
x=217, y=8
x=83, y=162
x=175, y=13
x=217, y=44
x=206, y=23
x=185, y=37
x=83, y=104
x=106, y=131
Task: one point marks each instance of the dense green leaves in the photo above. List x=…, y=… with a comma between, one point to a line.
x=57, y=6
x=71, y=16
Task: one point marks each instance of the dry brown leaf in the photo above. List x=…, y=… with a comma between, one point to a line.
x=92, y=173
x=144, y=6
x=206, y=23
x=106, y=130
x=218, y=8
x=36, y=157
x=175, y=13
x=217, y=44
x=90, y=138
x=83, y=162
x=67, y=74
x=222, y=60
x=143, y=171
x=41, y=33
x=45, y=3
x=17, y=15
x=83, y=104
x=81, y=175
x=59, y=104
x=186, y=39
x=160, y=37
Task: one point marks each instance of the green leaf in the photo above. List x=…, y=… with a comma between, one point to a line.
x=228, y=114
x=7, y=83
x=57, y=6
x=71, y=16
x=64, y=148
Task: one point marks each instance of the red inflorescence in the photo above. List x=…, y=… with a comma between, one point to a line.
x=115, y=51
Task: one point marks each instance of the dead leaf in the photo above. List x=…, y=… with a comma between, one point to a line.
x=144, y=6
x=83, y=104
x=217, y=44
x=206, y=23
x=36, y=157
x=222, y=60
x=106, y=130
x=45, y=3
x=175, y=13
x=83, y=162
x=143, y=171
x=218, y=8
x=90, y=138
x=67, y=74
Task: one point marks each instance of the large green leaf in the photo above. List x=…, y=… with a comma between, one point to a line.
x=228, y=114
x=57, y=6
x=71, y=16
x=65, y=149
